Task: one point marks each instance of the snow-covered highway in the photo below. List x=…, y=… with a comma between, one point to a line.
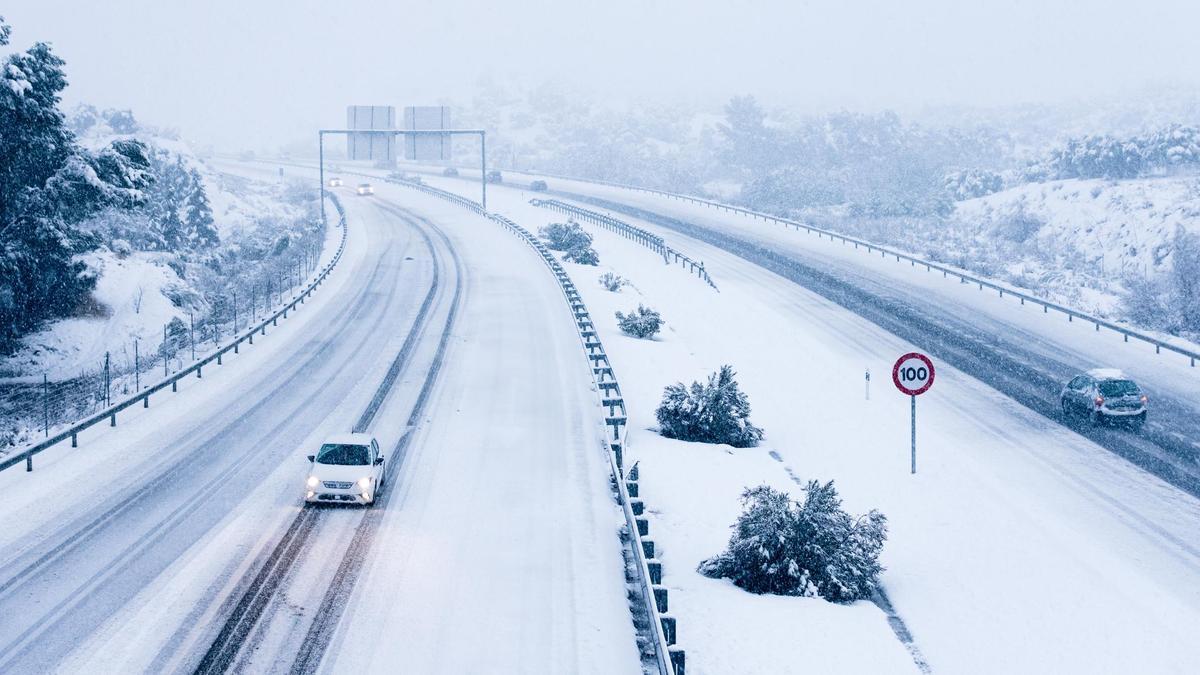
x=1020, y=546
x=150, y=548
x=1021, y=351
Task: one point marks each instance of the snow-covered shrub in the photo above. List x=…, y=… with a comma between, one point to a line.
x=643, y=322
x=971, y=183
x=807, y=548
x=716, y=412
x=612, y=282
x=565, y=236
x=584, y=255
x=121, y=248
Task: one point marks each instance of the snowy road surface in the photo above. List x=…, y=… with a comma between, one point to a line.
x=497, y=546
x=1020, y=546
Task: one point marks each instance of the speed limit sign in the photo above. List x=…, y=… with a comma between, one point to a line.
x=913, y=375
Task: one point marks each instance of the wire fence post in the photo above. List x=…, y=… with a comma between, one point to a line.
x=107, y=397
x=137, y=370
x=192, y=334
x=235, y=312
x=164, y=351
x=45, y=405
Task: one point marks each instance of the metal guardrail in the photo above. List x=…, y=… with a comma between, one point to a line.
x=886, y=252
x=643, y=237
x=110, y=413
x=669, y=657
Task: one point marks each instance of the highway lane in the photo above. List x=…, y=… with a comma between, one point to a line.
x=176, y=484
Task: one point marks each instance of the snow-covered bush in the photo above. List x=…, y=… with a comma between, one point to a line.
x=806, y=548
x=971, y=183
x=121, y=248
x=612, y=282
x=584, y=255
x=716, y=412
x=565, y=236
x=643, y=322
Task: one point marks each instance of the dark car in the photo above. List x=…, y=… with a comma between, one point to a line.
x=450, y=171
x=539, y=186
x=1105, y=395
x=494, y=177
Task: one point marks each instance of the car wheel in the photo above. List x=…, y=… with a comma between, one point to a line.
x=1139, y=422
x=1097, y=418
x=1065, y=408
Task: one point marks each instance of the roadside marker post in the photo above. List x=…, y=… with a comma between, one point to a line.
x=913, y=375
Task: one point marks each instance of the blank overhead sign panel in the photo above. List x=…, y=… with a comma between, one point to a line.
x=377, y=147
x=427, y=146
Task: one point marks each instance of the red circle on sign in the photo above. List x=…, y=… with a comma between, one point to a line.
x=922, y=385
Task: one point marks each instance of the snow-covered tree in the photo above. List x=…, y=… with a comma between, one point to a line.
x=584, y=255
x=809, y=548
x=643, y=322
x=48, y=185
x=715, y=412
x=565, y=236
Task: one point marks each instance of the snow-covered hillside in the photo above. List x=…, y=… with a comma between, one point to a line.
x=139, y=291
x=1079, y=240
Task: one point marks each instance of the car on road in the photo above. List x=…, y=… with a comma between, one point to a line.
x=1105, y=395
x=539, y=186
x=347, y=469
x=450, y=171
x=494, y=177
x=335, y=182
x=364, y=189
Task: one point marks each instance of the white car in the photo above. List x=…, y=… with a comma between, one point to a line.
x=335, y=182
x=347, y=469
x=365, y=189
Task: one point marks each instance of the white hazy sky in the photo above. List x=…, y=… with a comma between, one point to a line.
x=257, y=73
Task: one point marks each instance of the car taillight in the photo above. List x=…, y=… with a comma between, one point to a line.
x=1099, y=401
x=1145, y=399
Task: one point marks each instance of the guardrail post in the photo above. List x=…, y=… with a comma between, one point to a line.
x=74, y=441
x=668, y=625
x=198, y=373
x=677, y=660
x=660, y=598
x=655, y=569
x=175, y=386
x=146, y=401
x=112, y=420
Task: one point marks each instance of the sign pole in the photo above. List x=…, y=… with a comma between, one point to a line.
x=913, y=375
x=914, y=433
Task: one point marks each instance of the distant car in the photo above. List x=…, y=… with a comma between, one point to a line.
x=1105, y=395
x=450, y=171
x=335, y=182
x=347, y=469
x=364, y=189
x=539, y=186
x=494, y=177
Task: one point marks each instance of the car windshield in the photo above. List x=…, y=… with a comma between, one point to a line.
x=1118, y=388
x=346, y=455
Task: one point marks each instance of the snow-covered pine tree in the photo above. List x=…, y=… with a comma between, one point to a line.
x=641, y=323
x=716, y=412
x=197, y=215
x=809, y=548
x=48, y=185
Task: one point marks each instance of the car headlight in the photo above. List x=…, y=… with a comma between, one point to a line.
x=313, y=481
x=365, y=482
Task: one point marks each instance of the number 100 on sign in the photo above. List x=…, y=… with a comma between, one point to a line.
x=913, y=374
